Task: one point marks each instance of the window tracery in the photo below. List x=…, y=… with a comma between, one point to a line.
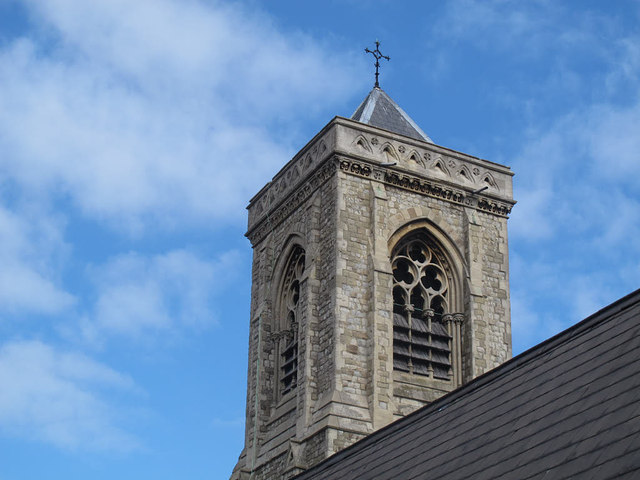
x=422, y=334
x=289, y=318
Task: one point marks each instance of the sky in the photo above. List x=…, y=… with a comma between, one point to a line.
x=133, y=134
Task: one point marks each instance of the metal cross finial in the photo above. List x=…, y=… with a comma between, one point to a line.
x=378, y=55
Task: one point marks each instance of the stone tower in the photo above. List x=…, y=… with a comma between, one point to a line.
x=380, y=282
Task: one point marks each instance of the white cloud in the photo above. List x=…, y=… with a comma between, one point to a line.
x=528, y=326
x=29, y=245
x=157, y=112
x=141, y=297
x=548, y=53
x=577, y=172
x=60, y=398
x=577, y=220
x=526, y=27
x=466, y=17
x=612, y=136
x=505, y=24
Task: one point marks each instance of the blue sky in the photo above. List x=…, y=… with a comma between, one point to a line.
x=132, y=135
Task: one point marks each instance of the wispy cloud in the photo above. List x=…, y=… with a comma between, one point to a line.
x=31, y=245
x=142, y=297
x=574, y=248
x=528, y=28
x=156, y=110
x=484, y=21
x=137, y=118
x=61, y=398
x=575, y=154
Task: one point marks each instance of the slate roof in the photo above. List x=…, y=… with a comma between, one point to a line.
x=567, y=408
x=379, y=110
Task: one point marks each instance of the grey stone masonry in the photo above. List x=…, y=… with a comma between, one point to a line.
x=348, y=199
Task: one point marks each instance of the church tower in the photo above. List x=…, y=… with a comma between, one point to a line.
x=380, y=283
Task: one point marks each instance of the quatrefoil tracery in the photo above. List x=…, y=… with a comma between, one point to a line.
x=419, y=279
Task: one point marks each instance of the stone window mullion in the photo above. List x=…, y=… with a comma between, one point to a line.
x=289, y=320
x=423, y=342
x=409, y=310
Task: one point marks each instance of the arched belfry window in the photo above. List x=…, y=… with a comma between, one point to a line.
x=422, y=296
x=289, y=317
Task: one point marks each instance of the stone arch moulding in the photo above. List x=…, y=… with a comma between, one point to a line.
x=488, y=180
x=415, y=157
x=425, y=216
x=363, y=143
x=286, y=313
x=390, y=151
x=465, y=174
x=418, y=333
x=439, y=167
x=277, y=274
x=455, y=259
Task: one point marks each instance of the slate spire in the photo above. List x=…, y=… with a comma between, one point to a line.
x=379, y=110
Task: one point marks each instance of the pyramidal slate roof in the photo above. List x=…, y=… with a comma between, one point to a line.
x=379, y=110
x=567, y=408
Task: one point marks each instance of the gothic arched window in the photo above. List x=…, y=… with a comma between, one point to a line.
x=422, y=335
x=289, y=318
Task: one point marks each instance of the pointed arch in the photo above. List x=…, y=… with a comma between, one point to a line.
x=389, y=150
x=321, y=149
x=363, y=143
x=489, y=181
x=465, y=174
x=427, y=300
x=414, y=156
x=439, y=167
x=290, y=274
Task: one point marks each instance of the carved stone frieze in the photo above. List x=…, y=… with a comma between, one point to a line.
x=488, y=206
x=431, y=189
x=361, y=169
x=425, y=187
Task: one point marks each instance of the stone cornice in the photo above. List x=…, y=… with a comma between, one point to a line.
x=385, y=157
x=396, y=178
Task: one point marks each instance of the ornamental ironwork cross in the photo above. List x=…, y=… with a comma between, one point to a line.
x=378, y=55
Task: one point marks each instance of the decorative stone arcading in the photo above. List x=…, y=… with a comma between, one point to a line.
x=295, y=172
x=425, y=159
x=275, y=216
